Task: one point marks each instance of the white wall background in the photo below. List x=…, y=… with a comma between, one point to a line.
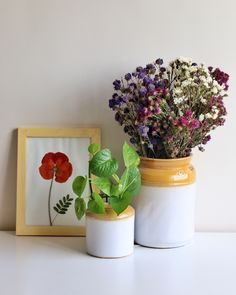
x=58, y=59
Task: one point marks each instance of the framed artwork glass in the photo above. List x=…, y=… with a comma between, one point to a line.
x=48, y=161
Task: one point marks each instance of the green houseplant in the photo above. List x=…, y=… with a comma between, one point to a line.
x=109, y=218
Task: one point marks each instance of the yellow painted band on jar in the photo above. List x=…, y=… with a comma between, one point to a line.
x=167, y=172
x=110, y=214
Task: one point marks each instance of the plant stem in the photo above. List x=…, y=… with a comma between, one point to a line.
x=116, y=177
x=142, y=147
x=49, y=200
x=89, y=180
x=54, y=218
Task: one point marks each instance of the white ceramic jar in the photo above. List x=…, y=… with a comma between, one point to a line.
x=166, y=203
x=110, y=235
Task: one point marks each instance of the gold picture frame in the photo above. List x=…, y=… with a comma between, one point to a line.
x=32, y=144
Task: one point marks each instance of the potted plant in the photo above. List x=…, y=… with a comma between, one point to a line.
x=167, y=111
x=109, y=216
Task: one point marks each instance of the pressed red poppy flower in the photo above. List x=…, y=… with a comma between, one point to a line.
x=55, y=165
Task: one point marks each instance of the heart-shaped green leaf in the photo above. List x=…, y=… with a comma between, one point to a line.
x=80, y=207
x=120, y=204
x=96, y=204
x=104, y=184
x=102, y=164
x=131, y=158
x=78, y=185
x=116, y=190
x=93, y=148
x=131, y=180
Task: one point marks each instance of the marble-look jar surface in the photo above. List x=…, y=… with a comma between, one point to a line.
x=166, y=203
x=110, y=235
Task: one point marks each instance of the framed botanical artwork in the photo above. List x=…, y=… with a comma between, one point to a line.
x=48, y=161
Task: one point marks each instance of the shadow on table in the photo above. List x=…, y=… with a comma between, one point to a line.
x=67, y=244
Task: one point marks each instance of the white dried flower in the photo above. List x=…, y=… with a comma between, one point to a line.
x=203, y=78
x=201, y=117
x=203, y=101
x=185, y=59
x=209, y=79
x=186, y=83
x=216, y=111
x=214, y=90
x=206, y=84
x=178, y=100
x=193, y=69
x=220, y=87
x=203, y=68
x=208, y=116
x=177, y=90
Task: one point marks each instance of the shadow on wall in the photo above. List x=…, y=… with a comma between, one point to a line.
x=8, y=201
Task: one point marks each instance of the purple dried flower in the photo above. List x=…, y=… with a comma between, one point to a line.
x=150, y=66
x=143, y=130
x=141, y=75
x=206, y=139
x=162, y=69
x=156, y=78
x=126, y=129
x=159, y=61
x=117, y=84
x=115, y=101
x=151, y=87
x=132, y=86
x=147, y=80
x=133, y=140
x=128, y=77
x=139, y=69
x=156, y=110
x=119, y=118
x=142, y=91
x=115, y=95
x=111, y=103
x=123, y=98
x=161, y=84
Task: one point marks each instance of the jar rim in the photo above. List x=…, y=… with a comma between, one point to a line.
x=166, y=160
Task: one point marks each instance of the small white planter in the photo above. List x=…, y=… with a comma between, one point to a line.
x=109, y=235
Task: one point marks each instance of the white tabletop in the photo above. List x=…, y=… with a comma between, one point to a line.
x=60, y=266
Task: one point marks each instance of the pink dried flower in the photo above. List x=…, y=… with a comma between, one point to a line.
x=184, y=121
x=206, y=139
x=188, y=114
x=195, y=123
x=176, y=122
